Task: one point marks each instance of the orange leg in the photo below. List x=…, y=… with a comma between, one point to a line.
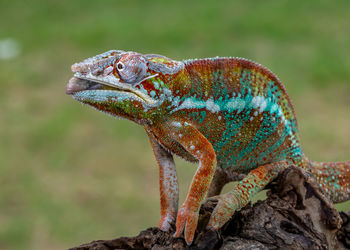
x=200, y=148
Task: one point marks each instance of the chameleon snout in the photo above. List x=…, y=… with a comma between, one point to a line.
x=76, y=84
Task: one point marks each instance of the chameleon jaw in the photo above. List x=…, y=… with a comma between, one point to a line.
x=89, y=83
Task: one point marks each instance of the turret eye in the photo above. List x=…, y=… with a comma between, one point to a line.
x=120, y=66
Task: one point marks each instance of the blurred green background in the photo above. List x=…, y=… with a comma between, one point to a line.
x=69, y=174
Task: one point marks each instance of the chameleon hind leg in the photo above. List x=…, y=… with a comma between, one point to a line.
x=243, y=192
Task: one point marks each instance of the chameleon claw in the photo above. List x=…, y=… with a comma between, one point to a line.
x=223, y=211
x=186, y=221
x=166, y=222
x=190, y=230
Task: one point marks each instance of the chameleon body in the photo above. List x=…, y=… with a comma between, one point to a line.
x=232, y=116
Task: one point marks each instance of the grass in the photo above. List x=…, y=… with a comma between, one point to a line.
x=69, y=174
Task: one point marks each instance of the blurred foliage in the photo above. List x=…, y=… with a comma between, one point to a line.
x=69, y=174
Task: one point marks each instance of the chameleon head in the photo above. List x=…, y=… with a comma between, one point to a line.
x=124, y=84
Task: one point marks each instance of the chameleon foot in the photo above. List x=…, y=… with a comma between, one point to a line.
x=166, y=221
x=225, y=208
x=187, y=219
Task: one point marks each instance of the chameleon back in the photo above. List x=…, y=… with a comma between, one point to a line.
x=243, y=110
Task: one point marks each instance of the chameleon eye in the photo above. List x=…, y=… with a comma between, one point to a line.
x=131, y=68
x=120, y=66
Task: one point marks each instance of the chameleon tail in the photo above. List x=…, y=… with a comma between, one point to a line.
x=334, y=178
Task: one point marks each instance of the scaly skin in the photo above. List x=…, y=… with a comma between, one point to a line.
x=230, y=115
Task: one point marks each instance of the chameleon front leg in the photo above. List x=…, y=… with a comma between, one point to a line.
x=243, y=192
x=168, y=185
x=200, y=148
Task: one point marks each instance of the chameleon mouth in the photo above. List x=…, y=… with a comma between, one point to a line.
x=79, y=83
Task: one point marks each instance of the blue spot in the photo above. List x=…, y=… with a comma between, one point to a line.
x=156, y=85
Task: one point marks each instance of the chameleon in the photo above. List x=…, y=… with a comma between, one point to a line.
x=231, y=116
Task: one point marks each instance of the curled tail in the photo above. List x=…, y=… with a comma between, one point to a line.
x=334, y=178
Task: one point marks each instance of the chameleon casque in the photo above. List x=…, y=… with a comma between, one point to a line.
x=232, y=116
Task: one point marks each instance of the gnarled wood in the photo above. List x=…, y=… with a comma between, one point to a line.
x=295, y=215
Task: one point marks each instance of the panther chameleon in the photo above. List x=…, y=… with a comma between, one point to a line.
x=232, y=116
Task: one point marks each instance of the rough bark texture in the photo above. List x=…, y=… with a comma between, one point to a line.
x=296, y=215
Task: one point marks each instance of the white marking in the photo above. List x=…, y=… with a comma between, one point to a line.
x=235, y=103
x=259, y=102
x=177, y=124
x=212, y=106
x=274, y=108
x=190, y=104
x=144, y=79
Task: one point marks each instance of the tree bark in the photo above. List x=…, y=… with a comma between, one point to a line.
x=295, y=215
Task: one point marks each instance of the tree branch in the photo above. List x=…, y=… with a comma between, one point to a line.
x=295, y=215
